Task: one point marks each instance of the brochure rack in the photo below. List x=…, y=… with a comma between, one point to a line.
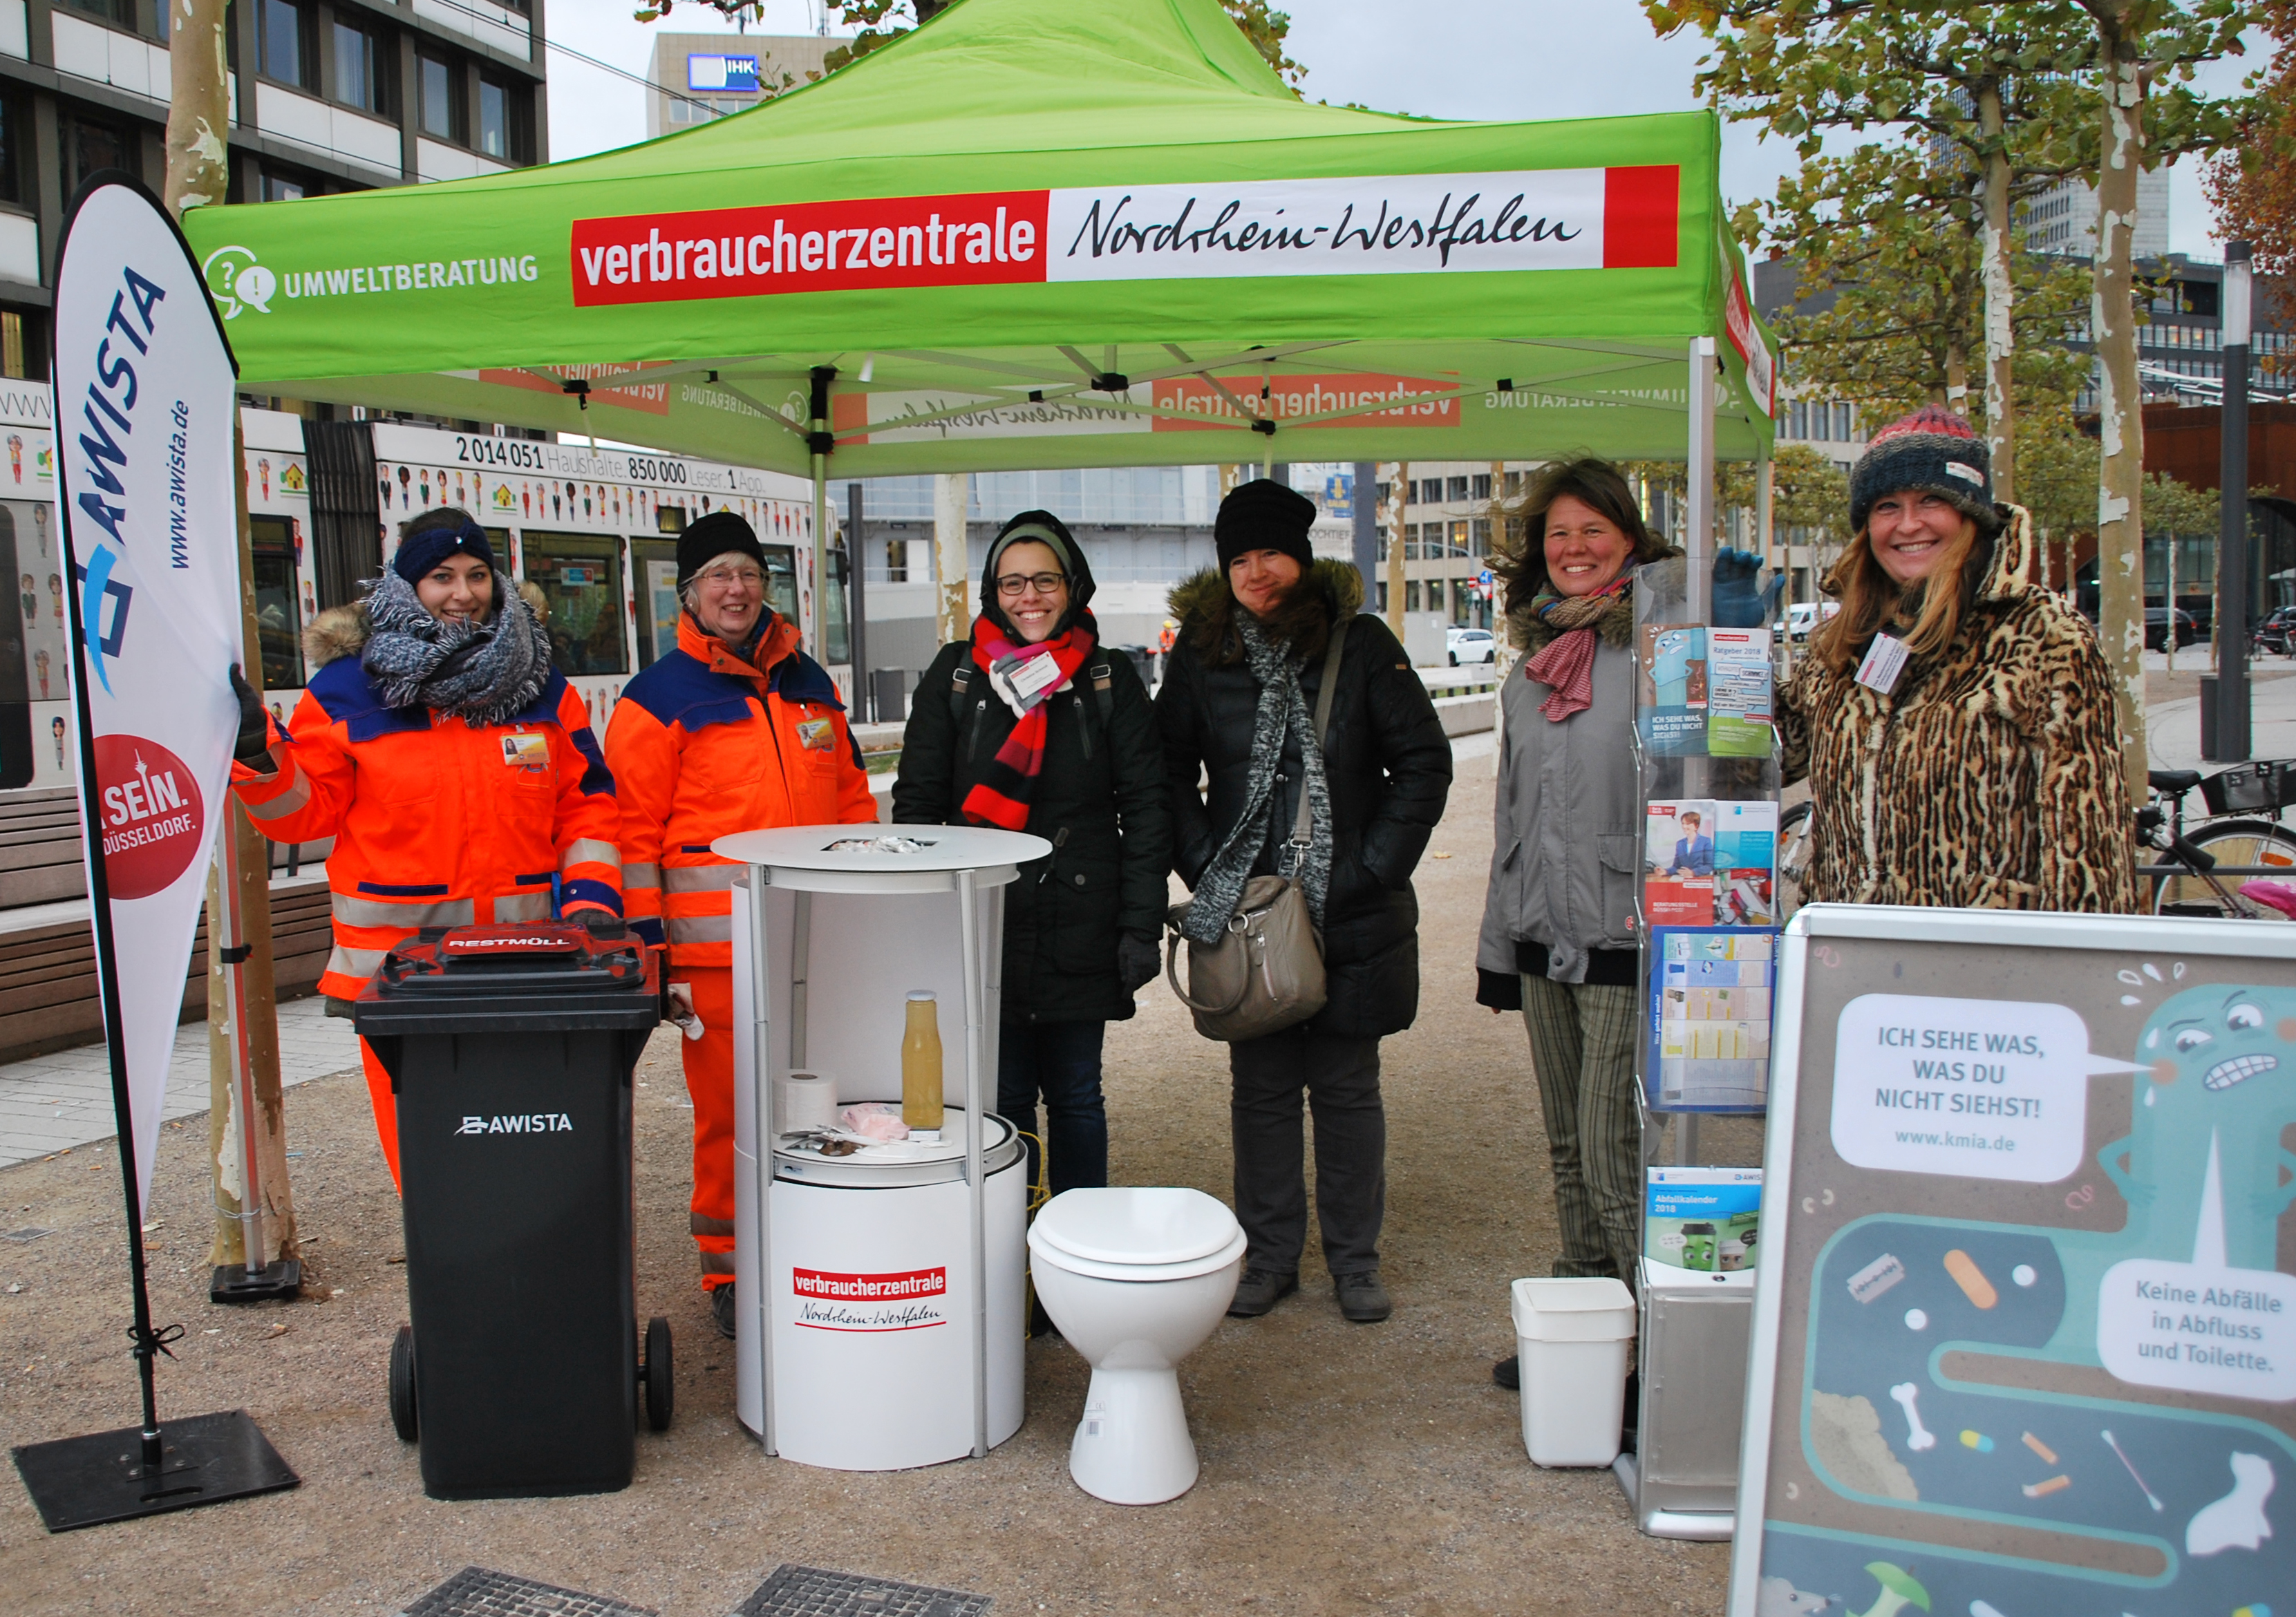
x=1706, y=756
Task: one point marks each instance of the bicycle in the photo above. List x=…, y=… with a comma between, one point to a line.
x=2229, y=843
x=2187, y=882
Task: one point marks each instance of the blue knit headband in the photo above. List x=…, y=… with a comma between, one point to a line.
x=418, y=553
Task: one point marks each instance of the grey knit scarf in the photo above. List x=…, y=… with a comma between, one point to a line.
x=483, y=674
x=1283, y=711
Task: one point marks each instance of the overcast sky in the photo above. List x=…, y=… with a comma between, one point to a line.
x=1472, y=58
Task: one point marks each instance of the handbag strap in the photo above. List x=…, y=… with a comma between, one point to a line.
x=1300, y=835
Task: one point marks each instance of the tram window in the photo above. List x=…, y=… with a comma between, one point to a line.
x=278, y=617
x=836, y=643
x=581, y=577
x=781, y=579
x=655, y=561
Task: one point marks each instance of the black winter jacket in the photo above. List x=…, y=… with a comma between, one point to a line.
x=1387, y=762
x=1100, y=801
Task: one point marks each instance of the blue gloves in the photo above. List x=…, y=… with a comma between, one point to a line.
x=1740, y=602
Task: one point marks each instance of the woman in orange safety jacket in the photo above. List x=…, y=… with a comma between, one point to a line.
x=735, y=730
x=452, y=765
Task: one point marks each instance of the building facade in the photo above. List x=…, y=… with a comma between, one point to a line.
x=698, y=77
x=326, y=96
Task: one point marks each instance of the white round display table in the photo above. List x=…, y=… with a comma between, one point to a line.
x=881, y=1303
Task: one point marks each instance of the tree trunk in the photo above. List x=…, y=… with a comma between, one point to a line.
x=952, y=568
x=1399, y=498
x=2000, y=338
x=2120, y=483
x=199, y=109
x=198, y=173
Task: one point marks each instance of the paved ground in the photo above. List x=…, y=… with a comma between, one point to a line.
x=1346, y=1469
x=53, y=1102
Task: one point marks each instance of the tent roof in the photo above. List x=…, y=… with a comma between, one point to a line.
x=1057, y=233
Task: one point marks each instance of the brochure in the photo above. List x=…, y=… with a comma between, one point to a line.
x=1709, y=1017
x=1738, y=676
x=1674, y=686
x=1704, y=1219
x=1709, y=862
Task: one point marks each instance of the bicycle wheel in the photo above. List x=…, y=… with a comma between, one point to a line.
x=2230, y=842
x=1793, y=858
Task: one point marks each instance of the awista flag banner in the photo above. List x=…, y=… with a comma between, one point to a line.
x=145, y=385
x=1038, y=233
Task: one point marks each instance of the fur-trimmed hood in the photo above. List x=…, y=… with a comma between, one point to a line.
x=341, y=631
x=1528, y=634
x=1206, y=610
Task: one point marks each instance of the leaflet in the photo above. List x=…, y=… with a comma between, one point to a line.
x=1709, y=862
x=1674, y=690
x=1709, y=1018
x=1738, y=677
x=1706, y=1218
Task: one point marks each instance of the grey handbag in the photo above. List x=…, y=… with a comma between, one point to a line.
x=1266, y=972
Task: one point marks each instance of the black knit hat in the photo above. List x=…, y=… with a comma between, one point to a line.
x=1264, y=515
x=436, y=534
x=721, y=532
x=1934, y=452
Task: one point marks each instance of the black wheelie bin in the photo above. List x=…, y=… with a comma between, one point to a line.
x=510, y=1048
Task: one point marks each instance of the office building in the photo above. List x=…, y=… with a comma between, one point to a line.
x=326, y=96
x=698, y=77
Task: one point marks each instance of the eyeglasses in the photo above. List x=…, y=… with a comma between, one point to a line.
x=726, y=577
x=1044, y=584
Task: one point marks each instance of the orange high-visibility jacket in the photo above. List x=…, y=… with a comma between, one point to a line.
x=702, y=744
x=437, y=824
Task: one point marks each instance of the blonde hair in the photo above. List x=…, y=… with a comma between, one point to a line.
x=1872, y=600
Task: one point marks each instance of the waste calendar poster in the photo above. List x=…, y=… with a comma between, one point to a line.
x=2025, y=1324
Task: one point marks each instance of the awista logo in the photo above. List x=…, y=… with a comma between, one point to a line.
x=520, y=1123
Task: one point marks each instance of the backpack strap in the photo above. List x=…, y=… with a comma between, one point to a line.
x=1102, y=696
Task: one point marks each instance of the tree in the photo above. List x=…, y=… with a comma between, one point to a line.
x=1894, y=239
x=2057, y=464
x=2252, y=184
x=1992, y=90
x=2147, y=51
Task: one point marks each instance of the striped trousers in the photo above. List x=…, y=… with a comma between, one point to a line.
x=1582, y=1050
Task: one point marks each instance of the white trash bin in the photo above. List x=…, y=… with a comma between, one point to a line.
x=1574, y=1338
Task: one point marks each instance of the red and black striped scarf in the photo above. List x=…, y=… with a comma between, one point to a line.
x=1002, y=797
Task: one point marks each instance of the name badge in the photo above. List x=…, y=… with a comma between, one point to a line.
x=1026, y=680
x=817, y=735
x=528, y=751
x=1885, y=659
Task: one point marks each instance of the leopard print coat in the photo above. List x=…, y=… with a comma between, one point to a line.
x=1990, y=779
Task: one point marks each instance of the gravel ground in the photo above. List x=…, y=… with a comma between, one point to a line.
x=1346, y=1469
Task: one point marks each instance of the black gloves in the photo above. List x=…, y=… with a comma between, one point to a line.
x=254, y=724
x=1136, y=960
x=604, y=925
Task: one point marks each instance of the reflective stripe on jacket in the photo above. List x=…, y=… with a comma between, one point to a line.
x=702, y=744
x=438, y=823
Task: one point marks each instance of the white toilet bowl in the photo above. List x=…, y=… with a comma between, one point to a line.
x=1136, y=1277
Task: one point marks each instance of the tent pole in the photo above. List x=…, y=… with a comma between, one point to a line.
x=819, y=441
x=1698, y=534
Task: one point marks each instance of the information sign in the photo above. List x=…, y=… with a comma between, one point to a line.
x=2025, y=1325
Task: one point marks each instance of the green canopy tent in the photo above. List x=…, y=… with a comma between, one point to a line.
x=1041, y=233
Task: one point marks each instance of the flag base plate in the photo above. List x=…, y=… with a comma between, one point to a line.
x=84, y=1481
x=231, y=1282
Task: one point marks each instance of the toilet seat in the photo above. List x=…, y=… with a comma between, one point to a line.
x=1135, y=1224
x=1044, y=1251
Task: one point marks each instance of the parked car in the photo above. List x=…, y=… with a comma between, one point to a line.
x=1470, y=646
x=2275, y=632
x=2156, y=629
x=1802, y=616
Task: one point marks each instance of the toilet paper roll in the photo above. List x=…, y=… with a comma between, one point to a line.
x=805, y=1100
